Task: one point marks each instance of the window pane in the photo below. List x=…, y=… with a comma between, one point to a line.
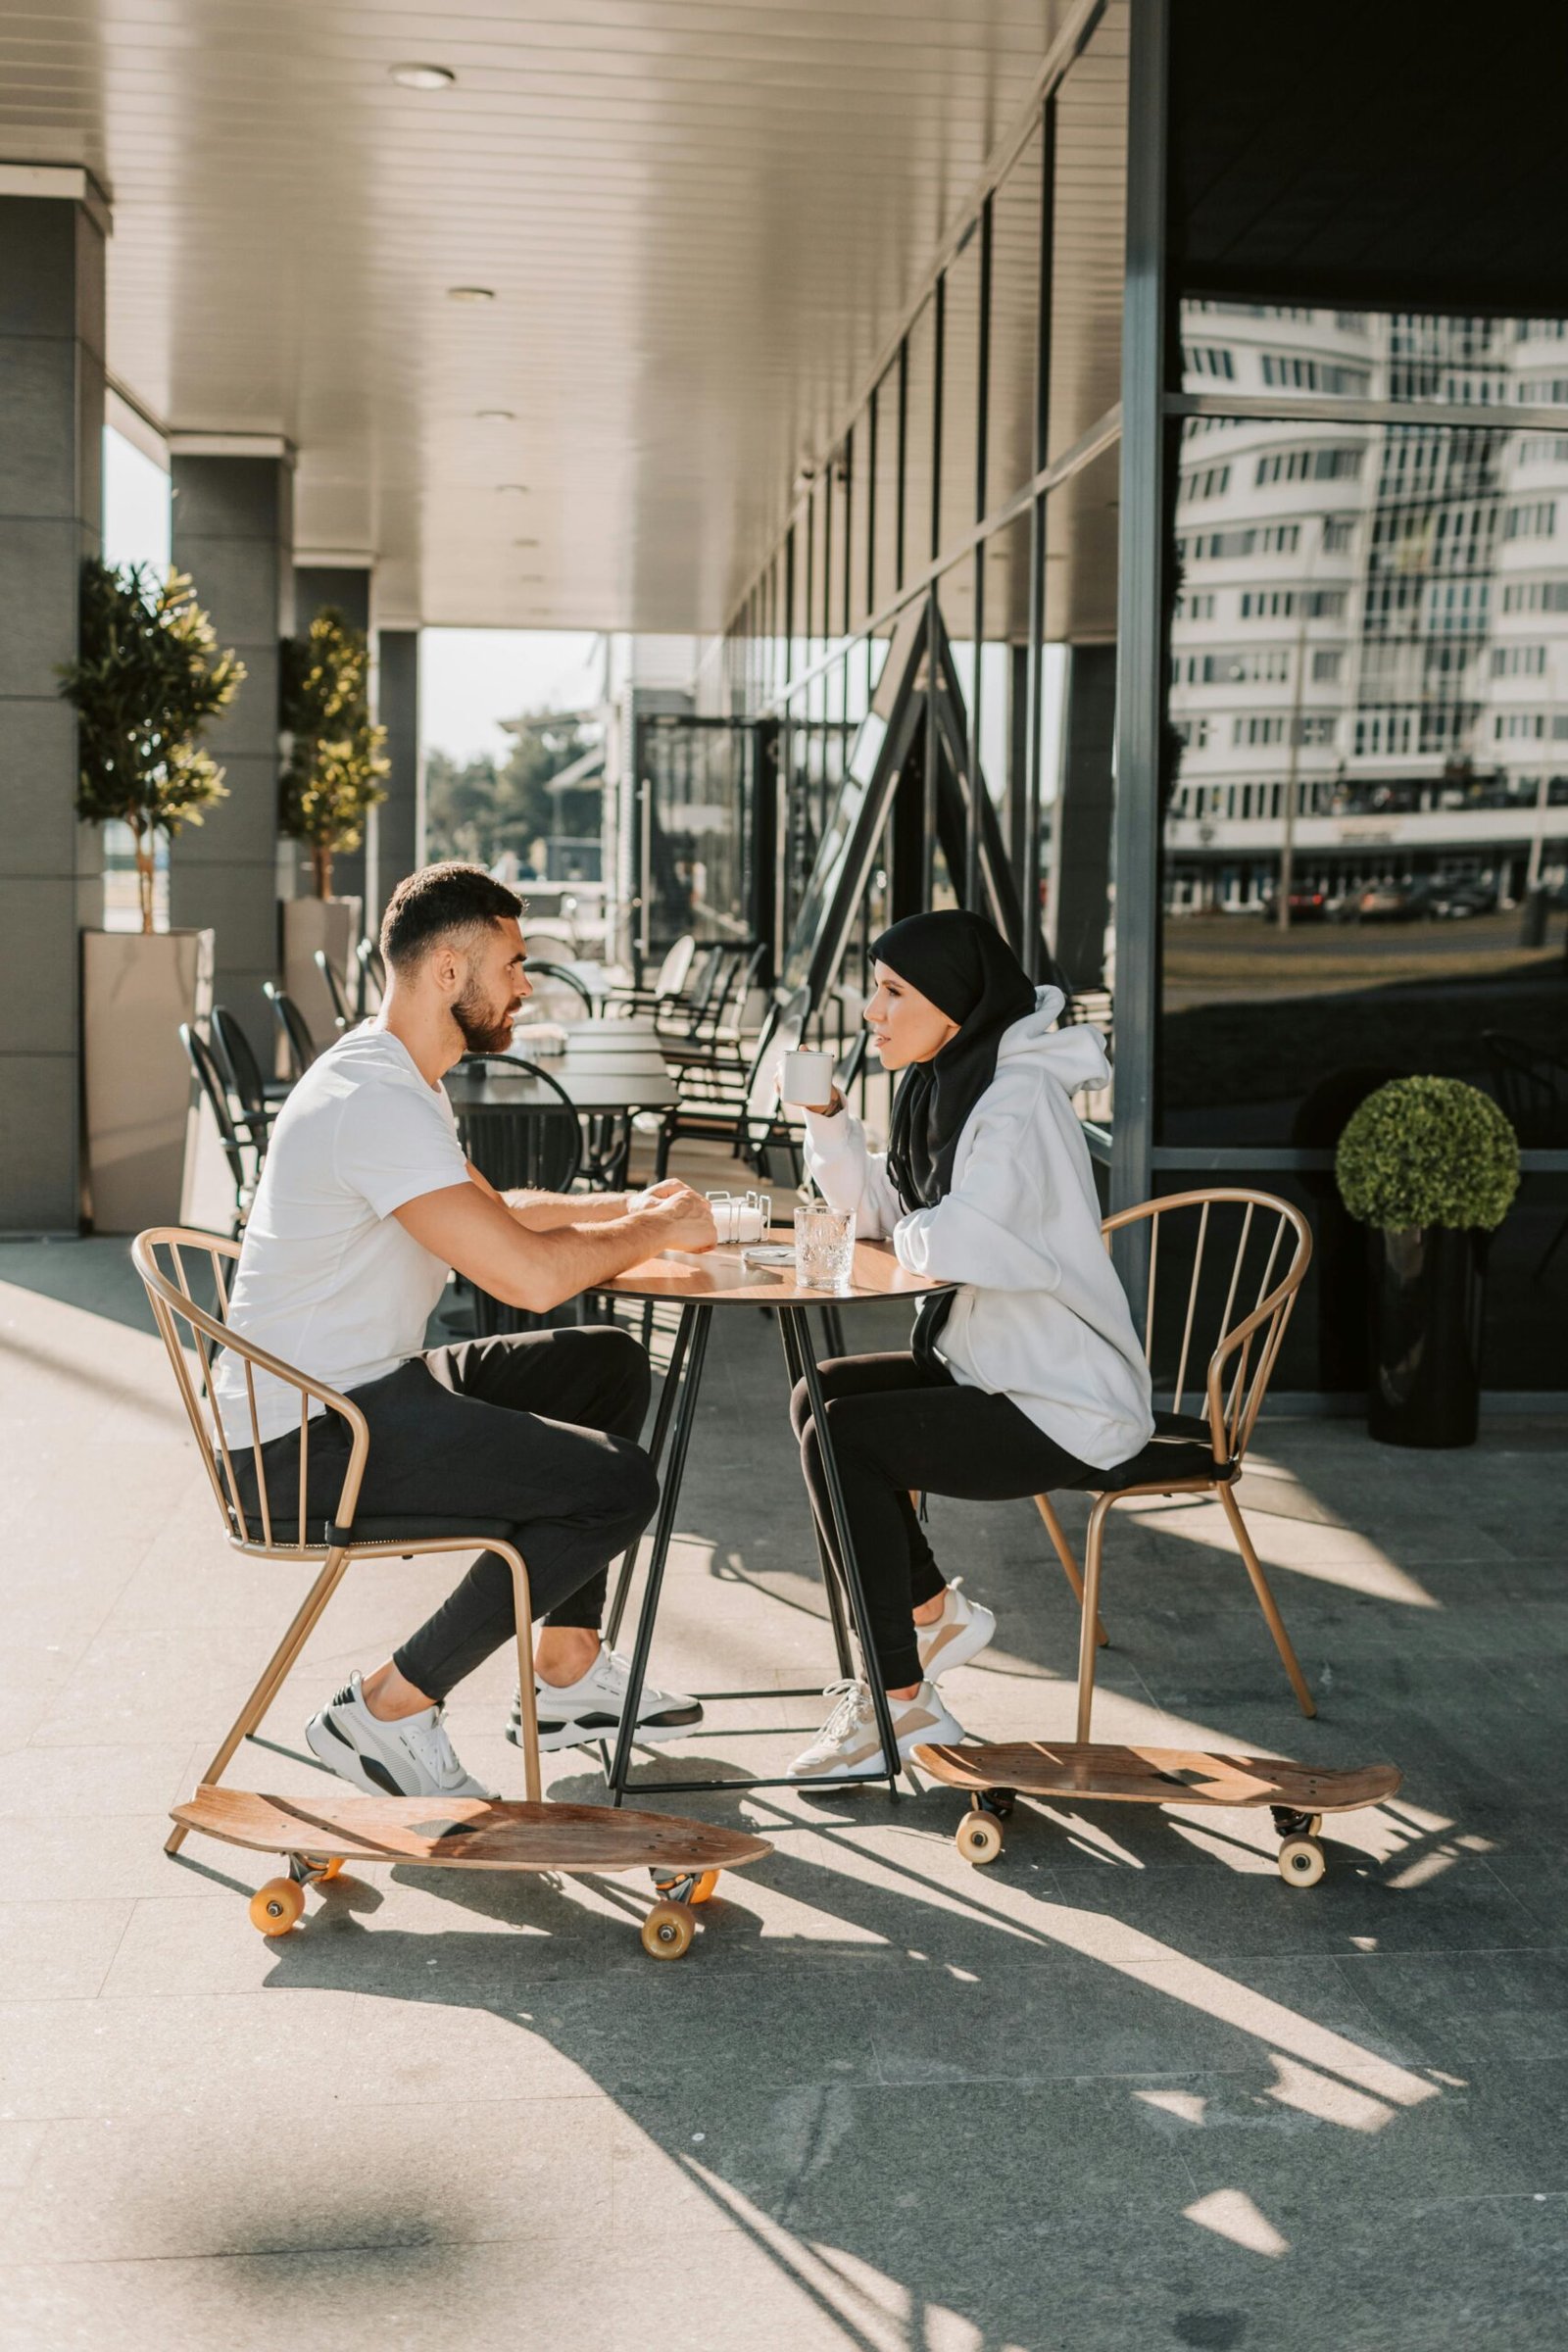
x=884, y=458
x=1369, y=684
x=919, y=444
x=1257, y=348
x=858, y=457
x=960, y=393
x=1014, y=323
x=1086, y=264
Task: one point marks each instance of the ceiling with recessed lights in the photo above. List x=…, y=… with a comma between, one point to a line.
x=633, y=261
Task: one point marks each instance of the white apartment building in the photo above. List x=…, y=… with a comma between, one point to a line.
x=1369, y=648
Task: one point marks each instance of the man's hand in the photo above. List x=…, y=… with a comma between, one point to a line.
x=681, y=1218
x=666, y=1190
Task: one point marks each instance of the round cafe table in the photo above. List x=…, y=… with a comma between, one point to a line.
x=701, y=1283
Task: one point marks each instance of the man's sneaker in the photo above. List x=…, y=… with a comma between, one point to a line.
x=847, y=1745
x=576, y=1714
x=960, y=1633
x=410, y=1758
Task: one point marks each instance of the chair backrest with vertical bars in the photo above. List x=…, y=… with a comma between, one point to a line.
x=531, y=1146
x=1225, y=1268
x=373, y=976
x=243, y=1068
x=174, y=1263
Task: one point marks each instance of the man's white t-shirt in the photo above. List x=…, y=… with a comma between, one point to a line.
x=328, y=1280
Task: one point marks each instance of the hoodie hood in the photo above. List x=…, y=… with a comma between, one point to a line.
x=1075, y=1057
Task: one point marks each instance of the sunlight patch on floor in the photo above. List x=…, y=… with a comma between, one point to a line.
x=1230, y=2212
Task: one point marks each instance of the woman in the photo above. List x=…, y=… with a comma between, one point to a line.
x=1026, y=1377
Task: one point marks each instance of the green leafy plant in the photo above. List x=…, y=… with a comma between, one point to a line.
x=332, y=776
x=147, y=682
x=1428, y=1152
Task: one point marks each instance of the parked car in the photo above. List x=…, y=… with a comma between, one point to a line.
x=1393, y=903
x=1465, y=899
x=1306, y=907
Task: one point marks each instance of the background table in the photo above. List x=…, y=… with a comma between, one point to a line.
x=701, y=1282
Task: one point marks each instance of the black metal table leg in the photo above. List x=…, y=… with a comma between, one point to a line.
x=656, y=1454
x=845, y=1550
x=692, y=1342
x=793, y=1336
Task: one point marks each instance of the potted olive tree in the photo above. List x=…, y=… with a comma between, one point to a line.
x=148, y=681
x=331, y=781
x=1430, y=1166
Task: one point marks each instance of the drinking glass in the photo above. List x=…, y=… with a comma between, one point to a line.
x=824, y=1246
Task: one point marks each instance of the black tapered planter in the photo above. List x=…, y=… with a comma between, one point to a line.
x=1424, y=1304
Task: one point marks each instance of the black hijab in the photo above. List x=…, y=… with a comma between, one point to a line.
x=967, y=969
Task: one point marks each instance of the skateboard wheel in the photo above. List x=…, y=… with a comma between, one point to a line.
x=979, y=1837
x=667, y=1932
x=1301, y=1862
x=703, y=1892
x=277, y=1906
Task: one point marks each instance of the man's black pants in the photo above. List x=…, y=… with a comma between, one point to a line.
x=535, y=1434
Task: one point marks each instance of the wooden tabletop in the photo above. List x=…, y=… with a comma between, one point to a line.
x=721, y=1278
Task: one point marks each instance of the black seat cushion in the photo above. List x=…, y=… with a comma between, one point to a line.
x=1180, y=1448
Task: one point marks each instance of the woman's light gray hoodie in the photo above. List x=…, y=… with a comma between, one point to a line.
x=1041, y=1316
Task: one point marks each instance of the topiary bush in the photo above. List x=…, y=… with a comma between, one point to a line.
x=1428, y=1152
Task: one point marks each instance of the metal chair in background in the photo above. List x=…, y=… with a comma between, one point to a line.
x=259, y=1098
x=669, y=983
x=371, y=966
x=522, y=1147
x=299, y=1046
x=342, y=1011
x=737, y=1103
x=210, y=1078
x=557, y=993
x=1201, y=1452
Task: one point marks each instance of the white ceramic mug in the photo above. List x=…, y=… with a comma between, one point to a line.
x=807, y=1078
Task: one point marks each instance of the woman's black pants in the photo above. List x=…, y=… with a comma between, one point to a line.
x=897, y=1427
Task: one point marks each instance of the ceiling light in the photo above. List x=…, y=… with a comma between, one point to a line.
x=496, y=416
x=512, y=489
x=526, y=542
x=471, y=293
x=413, y=76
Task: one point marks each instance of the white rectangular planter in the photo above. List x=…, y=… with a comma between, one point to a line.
x=136, y=989
x=334, y=925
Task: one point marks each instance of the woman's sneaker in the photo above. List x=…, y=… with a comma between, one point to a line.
x=849, y=1744
x=576, y=1714
x=410, y=1758
x=960, y=1633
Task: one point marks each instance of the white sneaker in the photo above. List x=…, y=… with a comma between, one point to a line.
x=960, y=1633
x=848, y=1747
x=410, y=1758
x=576, y=1714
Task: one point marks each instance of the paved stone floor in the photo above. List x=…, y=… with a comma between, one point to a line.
x=1123, y=2090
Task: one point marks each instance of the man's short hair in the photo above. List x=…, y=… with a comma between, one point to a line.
x=441, y=902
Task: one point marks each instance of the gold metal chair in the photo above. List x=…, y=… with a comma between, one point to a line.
x=1201, y=1452
x=165, y=1257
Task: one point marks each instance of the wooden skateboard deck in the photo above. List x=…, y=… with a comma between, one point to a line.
x=1159, y=1775
x=1298, y=1795
x=467, y=1832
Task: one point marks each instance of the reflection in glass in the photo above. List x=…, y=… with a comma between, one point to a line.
x=1369, y=688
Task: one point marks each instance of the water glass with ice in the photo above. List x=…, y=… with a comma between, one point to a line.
x=824, y=1246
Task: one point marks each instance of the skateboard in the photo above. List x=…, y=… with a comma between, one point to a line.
x=466, y=1832
x=1297, y=1795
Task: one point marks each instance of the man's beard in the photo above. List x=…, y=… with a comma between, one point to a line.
x=482, y=1032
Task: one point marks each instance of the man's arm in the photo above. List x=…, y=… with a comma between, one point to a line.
x=471, y=1228
x=543, y=1212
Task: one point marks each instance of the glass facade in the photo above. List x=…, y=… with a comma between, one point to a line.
x=1324, y=827
x=958, y=486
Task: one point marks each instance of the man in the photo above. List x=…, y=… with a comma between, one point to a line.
x=364, y=1203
